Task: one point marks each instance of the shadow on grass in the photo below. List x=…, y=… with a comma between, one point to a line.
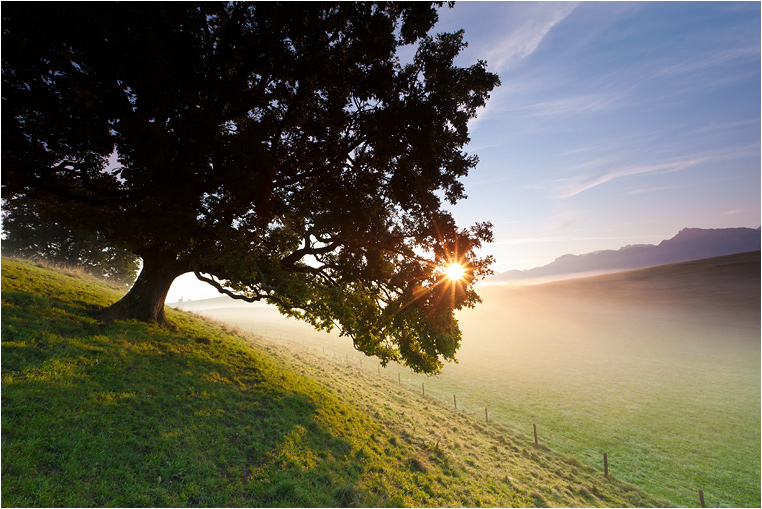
x=128, y=414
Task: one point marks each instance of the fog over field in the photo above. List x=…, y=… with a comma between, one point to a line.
x=622, y=327
x=660, y=366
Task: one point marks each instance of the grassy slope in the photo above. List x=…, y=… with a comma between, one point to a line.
x=658, y=367
x=729, y=285
x=128, y=414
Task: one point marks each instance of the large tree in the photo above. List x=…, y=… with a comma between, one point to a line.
x=281, y=151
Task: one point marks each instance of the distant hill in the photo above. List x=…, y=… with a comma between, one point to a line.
x=728, y=285
x=722, y=288
x=689, y=244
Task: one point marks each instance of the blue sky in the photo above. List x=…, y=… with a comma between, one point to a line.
x=616, y=123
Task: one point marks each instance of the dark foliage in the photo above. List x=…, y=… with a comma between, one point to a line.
x=280, y=151
x=28, y=234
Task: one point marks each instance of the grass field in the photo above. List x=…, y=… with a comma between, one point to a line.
x=660, y=369
x=128, y=414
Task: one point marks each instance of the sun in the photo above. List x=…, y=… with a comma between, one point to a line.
x=454, y=271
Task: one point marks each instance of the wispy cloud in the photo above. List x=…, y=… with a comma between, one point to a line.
x=525, y=26
x=599, y=171
x=715, y=128
x=573, y=105
x=661, y=188
x=574, y=186
x=523, y=40
x=562, y=221
x=711, y=61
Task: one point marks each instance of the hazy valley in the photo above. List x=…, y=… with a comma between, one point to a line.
x=658, y=367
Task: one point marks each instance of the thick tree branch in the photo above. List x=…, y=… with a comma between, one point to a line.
x=233, y=295
x=321, y=169
x=297, y=255
x=217, y=286
x=318, y=271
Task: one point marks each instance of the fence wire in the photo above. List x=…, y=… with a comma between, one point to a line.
x=561, y=442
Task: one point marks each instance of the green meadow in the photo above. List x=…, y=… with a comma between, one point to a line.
x=129, y=414
x=659, y=369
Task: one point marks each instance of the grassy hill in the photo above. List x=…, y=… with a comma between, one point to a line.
x=658, y=367
x=724, y=288
x=128, y=414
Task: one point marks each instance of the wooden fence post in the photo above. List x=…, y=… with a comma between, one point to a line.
x=455, y=401
x=423, y=390
x=486, y=415
x=534, y=426
x=605, y=464
x=701, y=498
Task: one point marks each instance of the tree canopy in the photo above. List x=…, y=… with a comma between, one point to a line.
x=281, y=151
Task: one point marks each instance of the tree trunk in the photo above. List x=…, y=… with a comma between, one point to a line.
x=145, y=300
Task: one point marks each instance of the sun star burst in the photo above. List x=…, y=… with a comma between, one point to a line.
x=454, y=271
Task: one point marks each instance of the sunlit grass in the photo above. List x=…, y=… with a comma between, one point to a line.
x=128, y=414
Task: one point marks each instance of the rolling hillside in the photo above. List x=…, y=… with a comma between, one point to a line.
x=661, y=365
x=658, y=367
x=724, y=288
x=127, y=414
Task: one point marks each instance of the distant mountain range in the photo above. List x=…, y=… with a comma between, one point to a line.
x=689, y=244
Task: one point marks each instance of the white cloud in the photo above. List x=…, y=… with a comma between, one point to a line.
x=715, y=128
x=525, y=26
x=625, y=164
x=661, y=188
x=520, y=42
x=574, y=186
x=563, y=220
x=712, y=61
x=573, y=105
